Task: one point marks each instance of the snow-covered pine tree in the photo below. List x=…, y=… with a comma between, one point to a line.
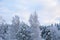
x=24, y=33
x=46, y=34
x=13, y=28
x=50, y=33
x=3, y=29
x=34, y=23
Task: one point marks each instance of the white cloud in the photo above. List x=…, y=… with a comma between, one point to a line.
x=47, y=15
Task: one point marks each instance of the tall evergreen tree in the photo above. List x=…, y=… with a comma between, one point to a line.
x=34, y=23
x=13, y=28
x=24, y=33
x=3, y=29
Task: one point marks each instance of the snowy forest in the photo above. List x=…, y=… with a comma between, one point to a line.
x=22, y=31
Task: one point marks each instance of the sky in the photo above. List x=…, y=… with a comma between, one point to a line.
x=48, y=10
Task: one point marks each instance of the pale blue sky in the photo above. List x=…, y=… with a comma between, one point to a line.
x=47, y=10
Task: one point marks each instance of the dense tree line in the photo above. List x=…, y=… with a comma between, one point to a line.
x=21, y=31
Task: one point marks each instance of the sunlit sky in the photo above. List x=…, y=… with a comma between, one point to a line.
x=48, y=10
